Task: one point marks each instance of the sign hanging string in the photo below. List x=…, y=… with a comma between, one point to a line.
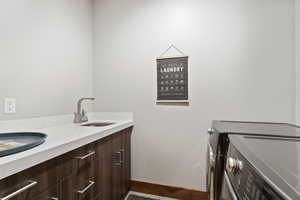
x=171, y=46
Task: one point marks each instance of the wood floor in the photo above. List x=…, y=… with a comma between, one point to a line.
x=149, y=196
x=167, y=191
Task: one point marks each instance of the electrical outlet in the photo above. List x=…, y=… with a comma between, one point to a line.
x=9, y=105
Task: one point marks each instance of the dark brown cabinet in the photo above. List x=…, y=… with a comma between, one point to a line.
x=78, y=169
x=97, y=171
x=104, y=164
x=121, y=164
x=127, y=161
x=117, y=166
x=30, y=183
x=50, y=194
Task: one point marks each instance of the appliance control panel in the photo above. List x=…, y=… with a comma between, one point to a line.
x=246, y=181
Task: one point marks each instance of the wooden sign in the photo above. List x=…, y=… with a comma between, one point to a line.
x=172, y=79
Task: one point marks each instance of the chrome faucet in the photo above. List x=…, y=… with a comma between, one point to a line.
x=80, y=116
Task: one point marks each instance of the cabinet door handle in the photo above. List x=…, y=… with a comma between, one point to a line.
x=90, y=153
x=91, y=183
x=120, y=158
x=122, y=155
x=54, y=198
x=26, y=187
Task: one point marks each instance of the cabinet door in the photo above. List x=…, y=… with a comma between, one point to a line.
x=127, y=160
x=117, y=166
x=121, y=164
x=104, y=169
x=124, y=155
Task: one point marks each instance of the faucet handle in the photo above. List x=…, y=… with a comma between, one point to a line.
x=77, y=117
x=84, y=118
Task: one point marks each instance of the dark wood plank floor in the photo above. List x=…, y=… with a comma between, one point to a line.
x=168, y=191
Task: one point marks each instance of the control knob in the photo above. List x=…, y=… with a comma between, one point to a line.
x=234, y=165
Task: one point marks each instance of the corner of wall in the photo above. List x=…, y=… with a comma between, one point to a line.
x=296, y=60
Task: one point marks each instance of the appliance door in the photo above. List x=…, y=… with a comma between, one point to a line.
x=210, y=172
x=227, y=192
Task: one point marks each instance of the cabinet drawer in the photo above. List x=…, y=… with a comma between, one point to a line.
x=99, y=197
x=78, y=188
x=31, y=182
x=79, y=161
x=51, y=194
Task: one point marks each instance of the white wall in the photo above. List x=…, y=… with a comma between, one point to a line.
x=297, y=59
x=241, y=68
x=241, y=64
x=45, y=55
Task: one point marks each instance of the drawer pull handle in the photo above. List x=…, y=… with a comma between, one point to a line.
x=30, y=185
x=54, y=198
x=90, y=153
x=122, y=155
x=120, y=158
x=91, y=183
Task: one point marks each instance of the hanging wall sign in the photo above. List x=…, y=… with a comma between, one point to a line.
x=172, y=78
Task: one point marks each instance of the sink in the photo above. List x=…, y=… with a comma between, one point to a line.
x=98, y=124
x=11, y=143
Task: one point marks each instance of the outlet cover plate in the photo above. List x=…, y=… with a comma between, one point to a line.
x=9, y=105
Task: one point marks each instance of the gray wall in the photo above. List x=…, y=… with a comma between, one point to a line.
x=241, y=68
x=297, y=59
x=45, y=55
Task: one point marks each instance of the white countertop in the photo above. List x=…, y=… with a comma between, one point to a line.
x=62, y=136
